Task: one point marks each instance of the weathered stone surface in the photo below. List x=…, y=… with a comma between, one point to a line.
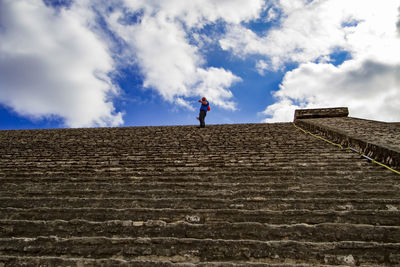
x=323, y=232
x=378, y=140
x=203, y=250
x=227, y=195
x=141, y=262
x=320, y=113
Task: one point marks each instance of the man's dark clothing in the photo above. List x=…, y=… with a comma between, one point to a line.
x=202, y=116
x=203, y=113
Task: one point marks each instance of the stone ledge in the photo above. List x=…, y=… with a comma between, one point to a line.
x=378, y=152
x=321, y=113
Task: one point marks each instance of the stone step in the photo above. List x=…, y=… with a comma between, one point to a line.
x=285, y=171
x=276, y=155
x=189, y=146
x=204, y=250
x=326, y=232
x=144, y=185
x=285, y=178
x=243, y=147
x=295, y=160
x=251, y=203
x=172, y=170
x=231, y=176
x=144, y=261
x=229, y=194
x=372, y=217
x=302, y=157
x=294, y=155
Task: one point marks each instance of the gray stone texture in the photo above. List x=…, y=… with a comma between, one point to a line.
x=226, y=195
x=320, y=113
x=378, y=140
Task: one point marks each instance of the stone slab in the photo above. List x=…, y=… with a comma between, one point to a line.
x=321, y=113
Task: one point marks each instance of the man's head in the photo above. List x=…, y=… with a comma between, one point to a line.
x=204, y=99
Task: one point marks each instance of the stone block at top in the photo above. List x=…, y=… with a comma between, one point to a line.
x=321, y=113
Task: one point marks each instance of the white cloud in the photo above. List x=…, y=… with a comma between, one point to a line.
x=197, y=13
x=170, y=64
x=311, y=32
x=308, y=30
x=271, y=14
x=370, y=89
x=315, y=29
x=51, y=64
x=213, y=83
x=262, y=66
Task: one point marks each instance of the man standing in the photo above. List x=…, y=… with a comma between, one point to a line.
x=203, y=111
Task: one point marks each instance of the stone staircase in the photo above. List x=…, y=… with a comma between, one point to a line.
x=226, y=195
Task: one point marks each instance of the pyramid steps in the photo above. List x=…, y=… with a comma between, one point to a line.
x=227, y=195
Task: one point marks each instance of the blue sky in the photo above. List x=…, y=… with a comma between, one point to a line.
x=81, y=63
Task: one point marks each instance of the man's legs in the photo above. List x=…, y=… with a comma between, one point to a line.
x=202, y=116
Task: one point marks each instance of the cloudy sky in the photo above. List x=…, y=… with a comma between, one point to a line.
x=91, y=63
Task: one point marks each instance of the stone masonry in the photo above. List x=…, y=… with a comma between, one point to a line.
x=320, y=113
x=226, y=195
x=379, y=140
